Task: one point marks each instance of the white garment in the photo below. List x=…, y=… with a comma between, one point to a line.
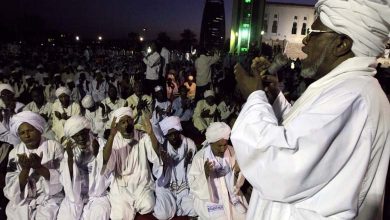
x=172, y=189
x=86, y=195
x=153, y=66
x=203, y=70
x=97, y=121
x=328, y=155
x=44, y=109
x=98, y=94
x=113, y=106
x=58, y=125
x=156, y=118
x=224, y=208
x=5, y=134
x=166, y=55
x=225, y=110
x=183, y=114
x=132, y=189
x=133, y=103
x=199, y=122
x=40, y=198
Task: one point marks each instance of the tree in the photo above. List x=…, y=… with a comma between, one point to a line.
x=188, y=39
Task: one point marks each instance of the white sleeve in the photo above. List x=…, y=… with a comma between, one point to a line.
x=12, y=188
x=281, y=106
x=289, y=163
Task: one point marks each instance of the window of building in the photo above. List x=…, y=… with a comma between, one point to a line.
x=305, y=18
x=265, y=26
x=294, y=28
x=275, y=27
x=275, y=16
x=303, y=30
x=295, y=17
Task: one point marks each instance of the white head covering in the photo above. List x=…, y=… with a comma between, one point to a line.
x=6, y=86
x=62, y=90
x=120, y=112
x=87, y=101
x=157, y=88
x=170, y=122
x=79, y=68
x=57, y=74
x=208, y=93
x=75, y=124
x=366, y=22
x=32, y=118
x=217, y=131
x=39, y=66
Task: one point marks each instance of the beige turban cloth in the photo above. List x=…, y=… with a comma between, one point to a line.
x=119, y=113
x=168, y=123
x=366, y=22
x=75, y=124
x=5, y=86
x=208, y=93
x=32, y=118
x=62, y=90
x=87, y=101
x=217, y=131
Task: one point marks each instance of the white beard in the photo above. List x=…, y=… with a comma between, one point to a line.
x=311, y=71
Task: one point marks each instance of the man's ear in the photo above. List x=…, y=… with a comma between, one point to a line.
x=342, y=45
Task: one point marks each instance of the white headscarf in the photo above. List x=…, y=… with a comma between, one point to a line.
x=170, y=122
x=208, y=93
x=366, y=22
x=6, y=86
x=119, y=113
x=217, y=131
x=32, y=118
x=62, y=90
x=75, y=124
x=87, y=101
x=157, y=88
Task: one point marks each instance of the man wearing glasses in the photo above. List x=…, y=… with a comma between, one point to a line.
x=325, y=157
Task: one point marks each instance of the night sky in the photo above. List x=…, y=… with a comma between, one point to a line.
x=116, y=18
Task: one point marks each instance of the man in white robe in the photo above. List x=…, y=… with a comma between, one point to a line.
x=214, y=178
x=86, y=195
x=112, y=102
x=172, y=191
x=98, y=87
x=95, y=115
x=205, y=111
x=62, y=109
x=32, y=181
x=132, y=190
x=325, y=157
x=139, y=102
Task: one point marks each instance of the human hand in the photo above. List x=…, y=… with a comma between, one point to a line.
x=259, y=65
x=205, y=114
x=58, y=115
x=208, y=168
x=35, y=161
x=272, y=90
x=64, y=116
x=23, y=161
x=245, y=82
x=147, y=125
x=113, y=128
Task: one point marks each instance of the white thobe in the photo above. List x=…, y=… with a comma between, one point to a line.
x=58, y=125
x=5, y=134
x=132, y=189
x=46, y=110
x=41, y=198
x=152, y=66
x=156, y=118
x=203, y=68
x=86, y=195
x=202, y=123
x=98, y=94
x=206, y=208
x=225, y=110
x=97, y=120
x=172, y=191
x=183, y=114
x=328, y=155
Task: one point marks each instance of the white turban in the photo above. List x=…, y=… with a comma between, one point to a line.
x=170, y=122
x=208, y=93
x=79, y=68
x=120, y=112
x=62, y=90
x=366, y=22
x=157, y=88
x=75, y=124
x=5, y=86
x=32, y=118
x=217, y=131
x=87, y=101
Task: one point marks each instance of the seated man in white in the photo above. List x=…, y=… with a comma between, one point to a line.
x=132, y=190
x=86, y=195
x=172, y=191
x=95, y=115
x=62, y=109
x=214, y=178
x=33, y=179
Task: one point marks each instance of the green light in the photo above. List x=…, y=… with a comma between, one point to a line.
x=245, y=25
x=243, y=49
x=248, y=1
